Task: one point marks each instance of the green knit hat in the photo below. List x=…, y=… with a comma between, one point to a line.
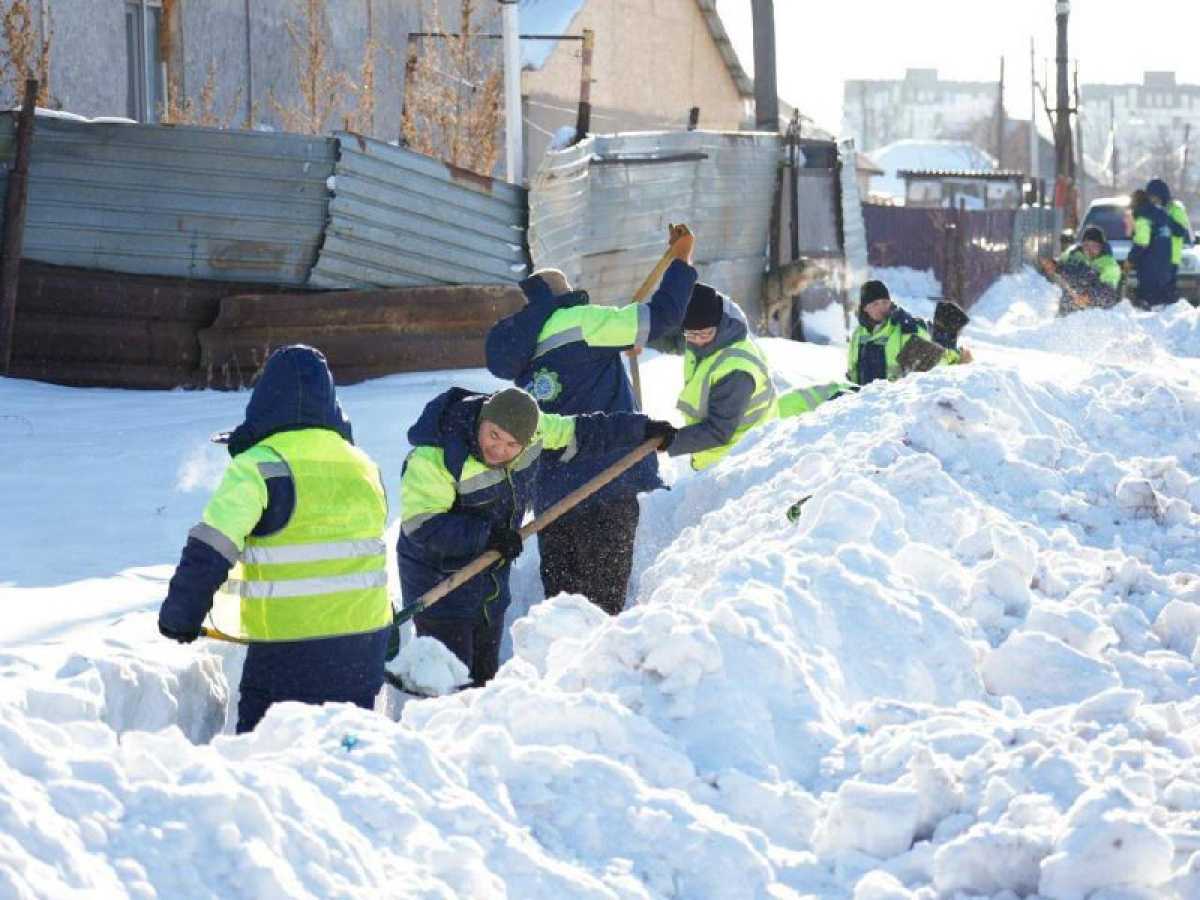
x=515, y=411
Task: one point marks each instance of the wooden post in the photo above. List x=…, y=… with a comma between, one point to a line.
x=14, y=225
x=583, y=123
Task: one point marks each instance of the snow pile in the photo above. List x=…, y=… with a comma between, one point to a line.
x=969, y=668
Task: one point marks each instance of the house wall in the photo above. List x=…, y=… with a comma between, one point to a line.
x=653, y=61
x=920, y=105
x=89, y=58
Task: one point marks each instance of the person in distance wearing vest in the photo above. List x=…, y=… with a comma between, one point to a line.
x=289, y=553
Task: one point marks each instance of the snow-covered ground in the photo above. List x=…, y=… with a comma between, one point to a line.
x=970, y=669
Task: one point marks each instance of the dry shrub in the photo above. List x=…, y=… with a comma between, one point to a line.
x=453, y=92
x=362, y=119
x=321, y=86
x=183, y=110
x=25, y=53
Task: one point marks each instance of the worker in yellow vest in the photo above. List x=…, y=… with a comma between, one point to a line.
x=289, y=553
x=727, y=389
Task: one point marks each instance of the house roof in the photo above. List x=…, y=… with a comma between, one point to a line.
x=555, y=17
x=708, y=8
x=978, y=174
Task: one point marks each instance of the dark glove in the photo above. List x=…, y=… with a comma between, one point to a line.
x=505, y=541
x=184, y=637
x=664, y=431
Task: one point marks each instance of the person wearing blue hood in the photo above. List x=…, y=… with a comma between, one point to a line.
x=1181, y=231
x=567, y=353
x=289, y=553
x=466, y=486
x=1150, y=253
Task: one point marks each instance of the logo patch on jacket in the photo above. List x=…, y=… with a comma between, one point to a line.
x=545, y=385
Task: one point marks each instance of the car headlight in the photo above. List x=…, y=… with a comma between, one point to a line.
x=1189, y=263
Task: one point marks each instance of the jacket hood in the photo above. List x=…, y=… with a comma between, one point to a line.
x=731, y=329
x=1156, y=187
x=450, y=421
x=294, y=391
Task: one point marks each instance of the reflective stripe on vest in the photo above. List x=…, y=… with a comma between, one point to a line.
x=604, y=337
x=742, y=356
x=324, y=574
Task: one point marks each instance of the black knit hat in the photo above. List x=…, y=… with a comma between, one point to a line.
x=872, y=291
x=1092, y=233
x=704, y=309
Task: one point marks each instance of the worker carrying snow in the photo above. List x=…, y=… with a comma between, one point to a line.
x=467, y=484
x=566, y=352
x=889, y=343
x=1087, y=273
x=727, y=388
x=289, y=553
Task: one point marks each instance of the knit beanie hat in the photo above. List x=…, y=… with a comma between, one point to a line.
x=704, y=309
x=515, y=411
x=872, y=291
x=1092, y=233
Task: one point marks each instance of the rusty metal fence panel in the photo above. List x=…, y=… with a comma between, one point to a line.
x=399, y=218
x=966, y=249
x=608, y=223
x=186, y=202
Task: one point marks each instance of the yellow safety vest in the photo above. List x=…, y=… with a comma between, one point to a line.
x=324, y=574
x=700, y=375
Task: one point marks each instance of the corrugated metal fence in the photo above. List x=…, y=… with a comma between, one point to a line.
x=966, y=249
x=184, y=202
x=398, y=218
x=244, y=206
x=599, y=210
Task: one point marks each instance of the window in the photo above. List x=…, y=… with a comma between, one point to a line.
x=143, y=19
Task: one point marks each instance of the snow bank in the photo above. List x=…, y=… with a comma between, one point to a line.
x=969, y=668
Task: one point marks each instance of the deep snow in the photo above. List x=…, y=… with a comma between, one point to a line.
x=969, y=667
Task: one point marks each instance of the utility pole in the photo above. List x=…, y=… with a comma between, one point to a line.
x=514, y=151
x=1034, y=144
x=766, y=95
x=1080, y=169
x=1115, y=162
x=1000, y=118
x=1064, y=188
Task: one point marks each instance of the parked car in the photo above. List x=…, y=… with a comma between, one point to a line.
x=1113, y=216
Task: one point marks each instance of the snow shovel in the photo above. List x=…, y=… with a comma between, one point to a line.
x=920, y=355
x=484, y=560
x=635, y=375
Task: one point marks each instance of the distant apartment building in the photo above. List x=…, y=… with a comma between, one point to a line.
x=920, y=106
x=1152, y=122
